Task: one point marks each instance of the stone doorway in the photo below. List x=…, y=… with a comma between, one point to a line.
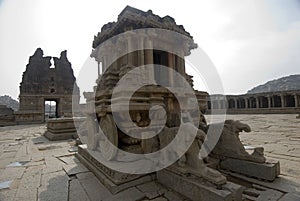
x=50, y=109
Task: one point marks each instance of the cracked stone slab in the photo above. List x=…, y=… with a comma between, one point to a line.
x=152, y=189
x=12, y=173
x=29, y=184
x=77, y=192
x=54, y=187
x=93, y=187
x=69, y=159
x=76, y=168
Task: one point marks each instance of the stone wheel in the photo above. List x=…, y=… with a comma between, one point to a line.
x=109, y=129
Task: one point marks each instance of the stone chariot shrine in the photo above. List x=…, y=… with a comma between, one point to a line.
x=144, y=102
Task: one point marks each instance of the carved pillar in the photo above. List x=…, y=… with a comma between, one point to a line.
x=269, y=101
x=99, y=68
x=129, y=50
x=141, y=53
x=235, y=103
x=246, y=103
x=282, y=100
x=149, y=58
x=257, y=102
x=171, y=65
x=219, y=104
x=181, y=64
x=104, y=63
x=296, y=100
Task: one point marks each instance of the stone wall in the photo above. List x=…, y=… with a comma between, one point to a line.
x=7, y=117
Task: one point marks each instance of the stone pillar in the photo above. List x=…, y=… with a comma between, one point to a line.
x=181, y=64
x=104, y=63
x=171, y=65
x=129, y=50
x=235, y=103
x=269, y=102
x=257, y=102
x=219, y=104
x=99, y=68
x=141, y=56
x=282, y=100
x=149, y=58
x=296, y=100
x=246, y=103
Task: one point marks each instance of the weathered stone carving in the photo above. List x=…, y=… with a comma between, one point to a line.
x=190, y=161
x=229, y=144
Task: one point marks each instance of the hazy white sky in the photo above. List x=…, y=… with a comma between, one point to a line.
x=249, y=41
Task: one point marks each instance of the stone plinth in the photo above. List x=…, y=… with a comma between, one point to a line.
x=61, y=129
x=197, y=189
x=113, y=180
x=268, y=171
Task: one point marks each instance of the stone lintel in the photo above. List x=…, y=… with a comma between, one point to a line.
x=268, y=171
x=197, y=189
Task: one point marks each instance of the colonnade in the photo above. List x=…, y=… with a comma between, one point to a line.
x=254, y=101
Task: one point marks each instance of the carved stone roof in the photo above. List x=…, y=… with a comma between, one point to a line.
x=132, y=18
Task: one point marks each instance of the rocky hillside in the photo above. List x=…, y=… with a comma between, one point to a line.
x=9, y=102
x=291, y=82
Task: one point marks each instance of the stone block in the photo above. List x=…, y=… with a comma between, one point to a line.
x=290, y=197
x=61, y=129
x=77, y=192
x=59, y=136
x=267, y=171
x=198, y=189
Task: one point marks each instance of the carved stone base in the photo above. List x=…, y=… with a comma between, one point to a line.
x=113, y=180
x=268, y=171
x=198, y=189
x=59, y=136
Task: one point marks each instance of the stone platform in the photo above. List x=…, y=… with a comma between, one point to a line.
x=53, y=173
x=61, y=129
x=113, y=180
x=268, y=171
x=197, y=189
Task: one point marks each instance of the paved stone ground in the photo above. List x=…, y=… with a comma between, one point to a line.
x=49, y=171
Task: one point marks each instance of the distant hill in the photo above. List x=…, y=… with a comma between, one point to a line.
x=291, y=82
x=9, y=102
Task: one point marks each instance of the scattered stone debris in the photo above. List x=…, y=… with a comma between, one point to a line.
x=17, y=164
x=18, y=138
x=73, y=149
x=13, y=144
x=45, y=147
x=5, y=184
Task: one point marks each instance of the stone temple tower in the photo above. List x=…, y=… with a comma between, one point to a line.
x=41, y=82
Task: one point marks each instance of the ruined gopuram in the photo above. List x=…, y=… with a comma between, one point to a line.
x=43, y=82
